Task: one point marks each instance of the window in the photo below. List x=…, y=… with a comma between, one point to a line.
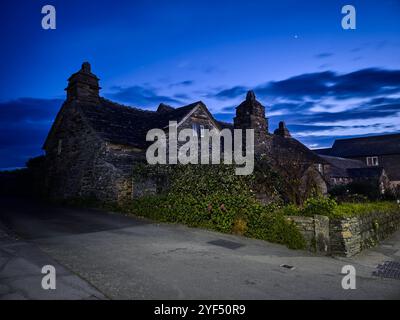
x=201, y=131
x=198, y=129
x=372, y=161
x=59, y=147
x=195, y=127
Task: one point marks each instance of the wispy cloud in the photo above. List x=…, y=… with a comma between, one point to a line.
x=24, y=124
x=323, y=55
x=141, y=96
x=324, y=105
x=185, y=83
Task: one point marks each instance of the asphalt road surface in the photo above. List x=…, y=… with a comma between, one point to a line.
x=101, y=255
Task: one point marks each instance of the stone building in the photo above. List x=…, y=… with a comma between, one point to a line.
x=94, y=143
x=380, y=154
x=342, y=171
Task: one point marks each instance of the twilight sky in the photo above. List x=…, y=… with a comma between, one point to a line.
x=325, y=82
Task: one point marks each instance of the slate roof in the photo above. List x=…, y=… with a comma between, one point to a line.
x=339, y=166
x=323, y=152
x=290, y=148
x=365, y=146
x=126, y=125
x=349, y=168
x=344, y=162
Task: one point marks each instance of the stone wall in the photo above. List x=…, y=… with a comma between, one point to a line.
x=346, y=236
x=70, y=152
x=113, y=171
x=350, y=236
x=315, y=231
x=81, y=165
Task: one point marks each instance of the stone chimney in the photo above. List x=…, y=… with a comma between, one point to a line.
x=250, y=114
x=282, y=130
x=83, y=86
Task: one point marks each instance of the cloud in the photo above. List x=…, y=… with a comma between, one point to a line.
x=319, y=85
x=24, y=124
x=313, y=85
x=185, y=83
x=323, y=55
x=28, y=109
x=141, y=96
x=362, y=83
x=322, y=106
x=181, y=96
x=230, y=93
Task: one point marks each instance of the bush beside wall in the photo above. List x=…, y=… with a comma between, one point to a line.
x=213, y=197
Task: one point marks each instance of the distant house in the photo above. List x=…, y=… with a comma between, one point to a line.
x=375, y=156
x=341, y=171
x=93, y=143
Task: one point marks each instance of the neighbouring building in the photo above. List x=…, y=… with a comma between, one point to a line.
x=93, y=143
x=373, y=157
x=342, y=171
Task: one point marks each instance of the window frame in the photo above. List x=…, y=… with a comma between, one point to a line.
x=196, y=129
x=373, y=161
x=201, y=130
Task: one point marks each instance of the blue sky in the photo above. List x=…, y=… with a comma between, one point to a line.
x=325, y=82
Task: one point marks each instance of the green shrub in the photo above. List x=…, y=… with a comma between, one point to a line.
x=319, y=206
x=291, y=210
x=328, y=207
x=356, y=209
x=212, y=196
x=276, y=228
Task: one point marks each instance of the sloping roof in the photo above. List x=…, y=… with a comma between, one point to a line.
x=291, y=148
x=125, y=125
x=323, y=152
x=365, y=146
x=343, y=162
x=342, y=167
x=339, y=166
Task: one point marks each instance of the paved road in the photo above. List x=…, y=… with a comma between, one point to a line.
x=130, y=258
x=21, y=265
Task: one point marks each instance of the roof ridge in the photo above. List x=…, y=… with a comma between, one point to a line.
x=120, y=105
x=369, y=137
x=336, y=157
